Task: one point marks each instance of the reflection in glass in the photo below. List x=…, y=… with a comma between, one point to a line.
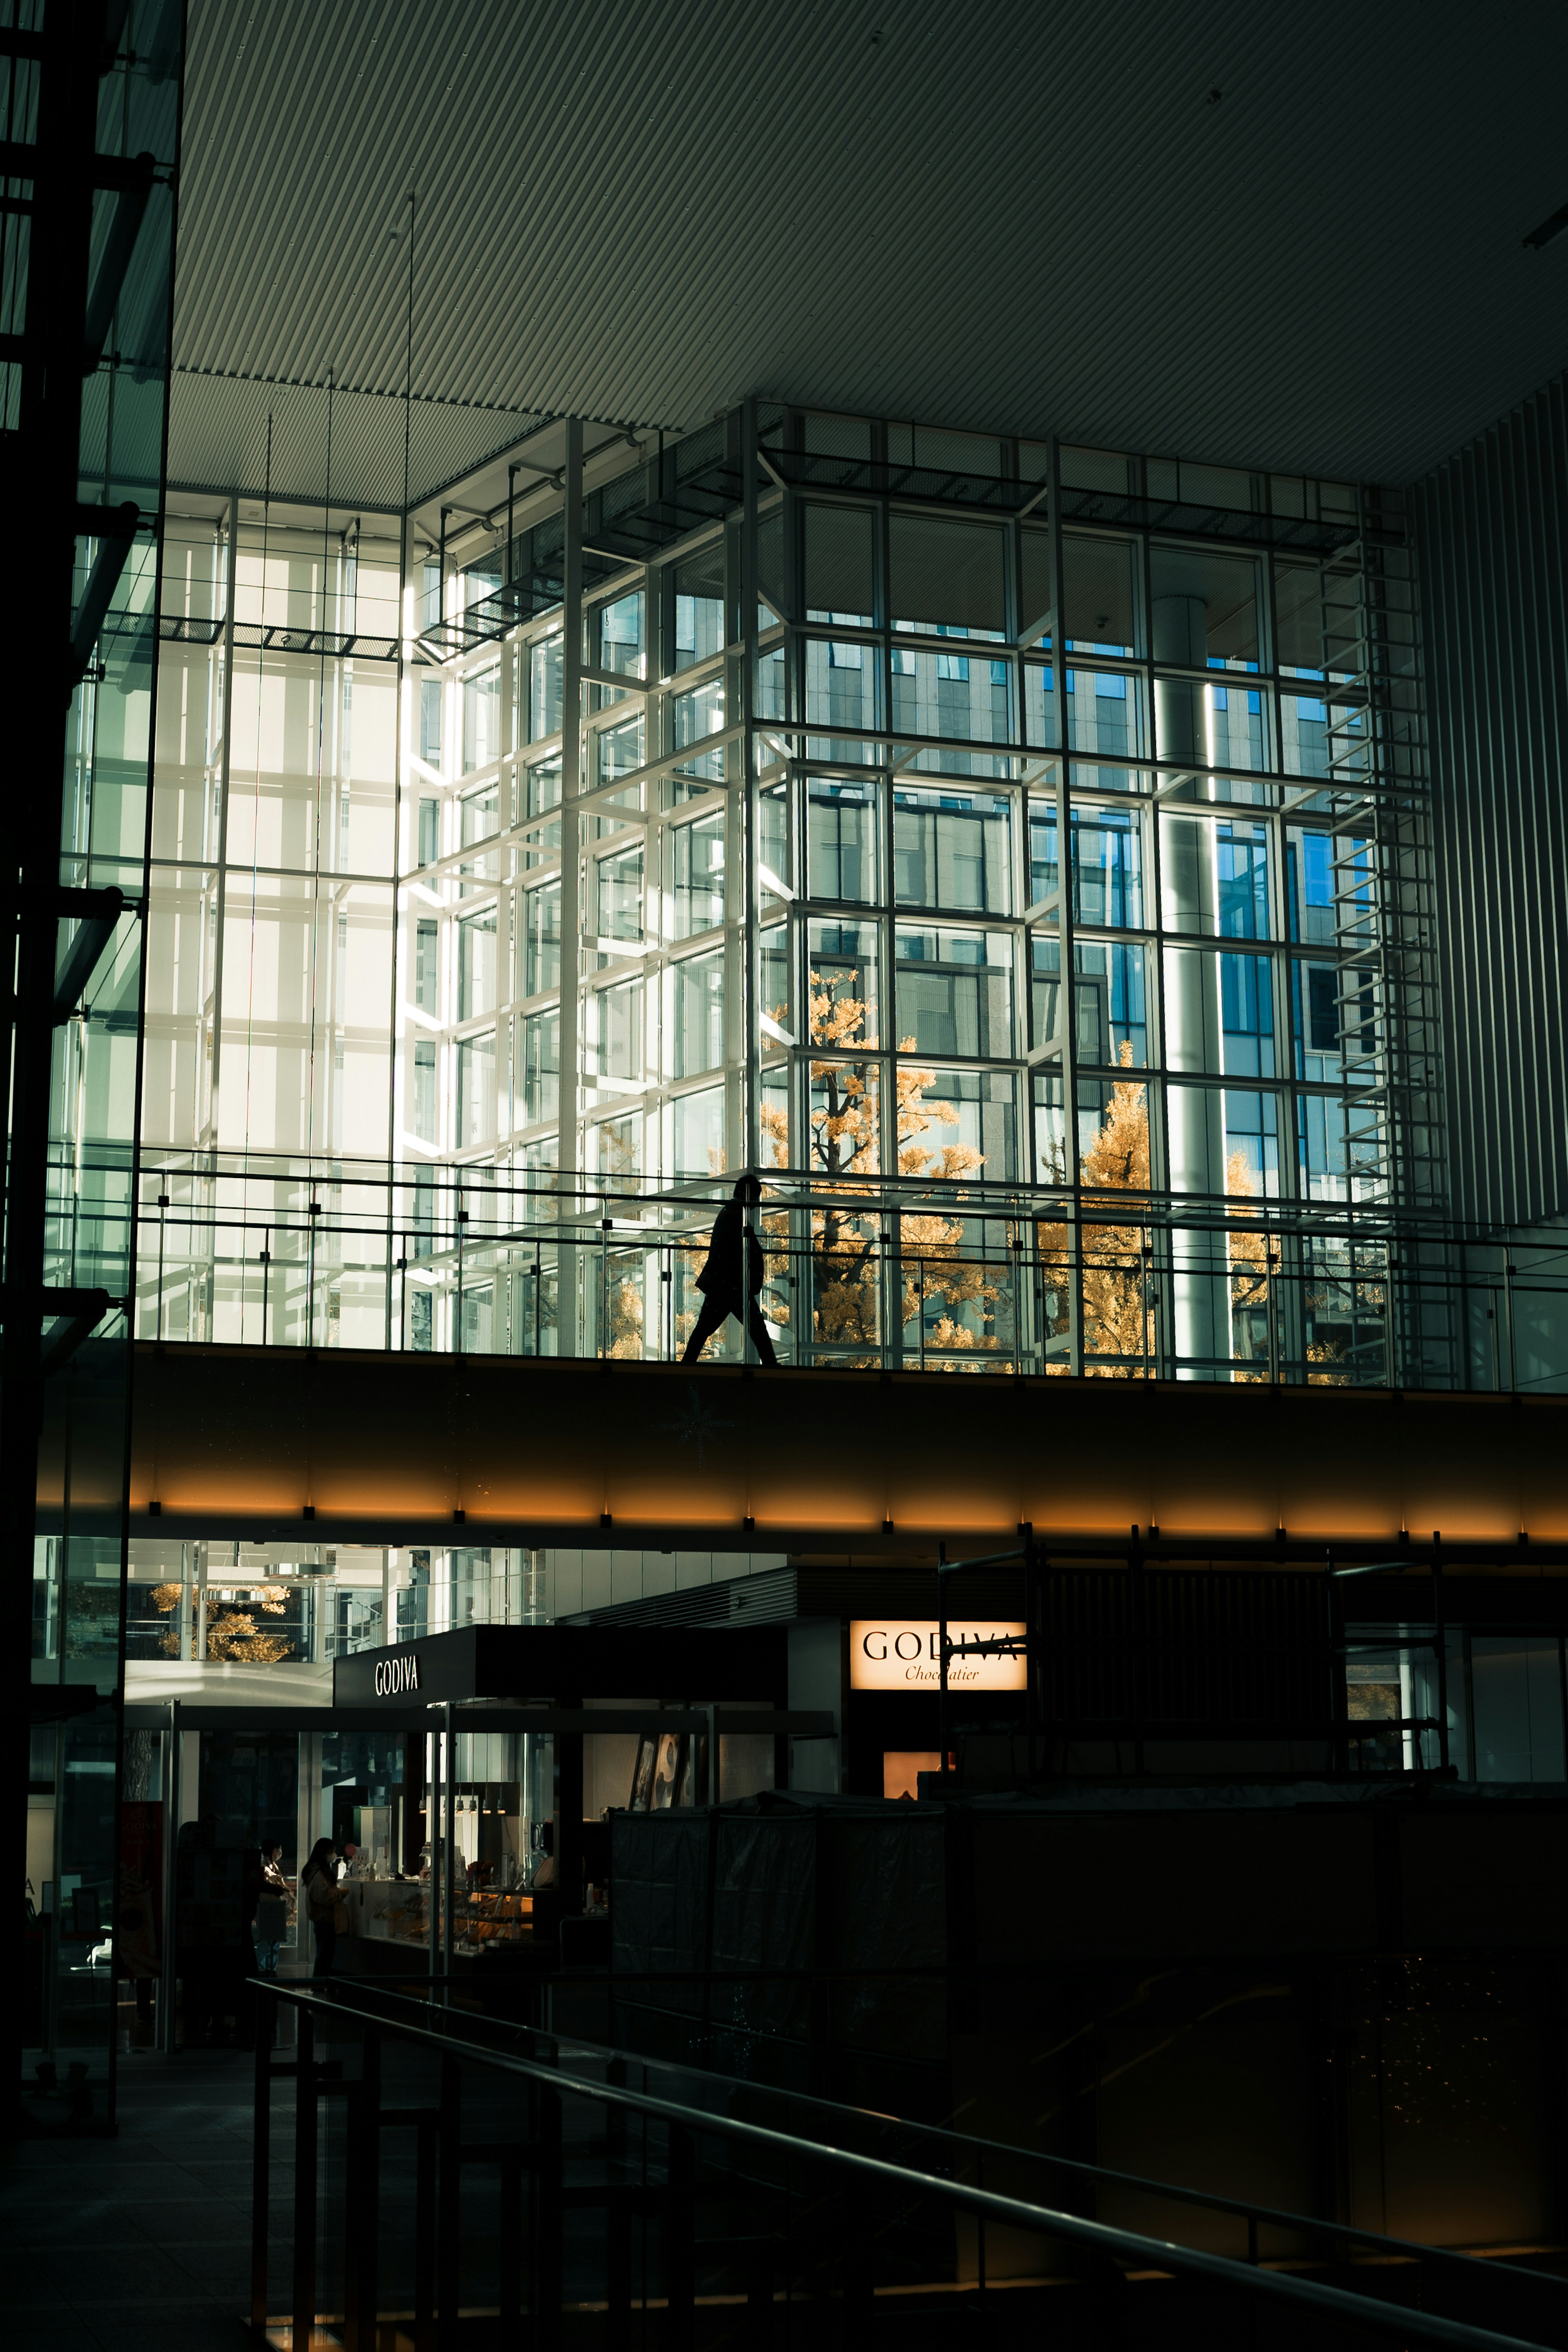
x=620, y=634
x=481, y=718
x=954, y=850
x=947, y=575
x=1097, y=594
x=1109, y=1011
x=839, y=550
x=696, y=876
x=841, y=692
x=540, y=923
x=544, y=688
x=697, y=993
x=845, y=994
x=477, y=1091
x=475, y=966
x=963, y=697
x=841, y=859
x=696, y=714
x=954, y=990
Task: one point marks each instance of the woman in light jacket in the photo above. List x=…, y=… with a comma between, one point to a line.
x=319, y=1884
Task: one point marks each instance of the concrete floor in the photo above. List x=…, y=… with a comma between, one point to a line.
x=139, y=2244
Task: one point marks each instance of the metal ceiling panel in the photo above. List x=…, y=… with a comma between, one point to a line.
x=307, y=443
x=1284, y=238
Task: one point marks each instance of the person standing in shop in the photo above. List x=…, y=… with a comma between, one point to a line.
x=271, y=1909
x=733, y=1275
x=318, y=1885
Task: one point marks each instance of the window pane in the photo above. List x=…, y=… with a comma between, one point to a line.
x=476, y=967
x=1108, y=867
x=844, y=1135
x=1110, y=1009
x=425, y=1111
x=697, y=1125
x=541, y=1067
x=697, y=875
x=480, y=813
x=838, y=566
x=1315, y=1023
x=964, y=697
x=699, y=1015
x=695, y=714
x=620, y=636
x=430, y=721
x=1214, y=877
x=615, y=1038
x=954, y=1123
x=619, y=749
x=540, y=929
x=954, y=850
x=477, y=1091
x=955, y=991
x=947, y=575
x=1097, y=594
x=696, y=608
x=1204, y=608
x=620, y=895
x=841, y=692
x=1104, y=712
x=481, y=719
x=543, y=786
x=545, y=687
x=1219, y=1013
x=845, y=997
x=841, y=841
x=1517, y=1698
x=427, y=965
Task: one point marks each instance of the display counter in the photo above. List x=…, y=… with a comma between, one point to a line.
x=397, y=1911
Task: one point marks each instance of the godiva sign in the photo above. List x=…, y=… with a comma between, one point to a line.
x=905, y=1655
x=398, y=1674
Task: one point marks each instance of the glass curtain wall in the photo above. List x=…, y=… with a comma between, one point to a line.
x=731, y=834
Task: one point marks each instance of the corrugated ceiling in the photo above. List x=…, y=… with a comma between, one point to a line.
x=1021, y=217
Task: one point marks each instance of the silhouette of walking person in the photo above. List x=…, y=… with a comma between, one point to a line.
x=732, y=1251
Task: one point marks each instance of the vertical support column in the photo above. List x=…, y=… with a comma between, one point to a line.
x=751, y=994
x=448, y=1849
x=569, y=1818
x=220, y=854
x=433, y=1842
x=171, y=1795
x=1194, y=1115
x=1065, y=1056
x=568, y=1142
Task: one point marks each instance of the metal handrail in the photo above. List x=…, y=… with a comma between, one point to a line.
x=1130, y=2245
x=1261, y=2215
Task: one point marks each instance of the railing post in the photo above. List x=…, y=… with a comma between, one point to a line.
x=361, y=2200
x=448, y=2202
x=304, y=2293
x=680, y=2240
x=544, y=2266
x=510, y=2248
x=262, y=2162
x=424, y=2235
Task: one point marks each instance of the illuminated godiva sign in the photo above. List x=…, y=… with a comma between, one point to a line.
x=905, y=1656
x=396, y=1674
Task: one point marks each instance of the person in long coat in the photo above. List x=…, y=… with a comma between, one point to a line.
x=732, y=1274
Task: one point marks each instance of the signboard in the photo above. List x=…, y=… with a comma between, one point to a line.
x=889, y=1654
